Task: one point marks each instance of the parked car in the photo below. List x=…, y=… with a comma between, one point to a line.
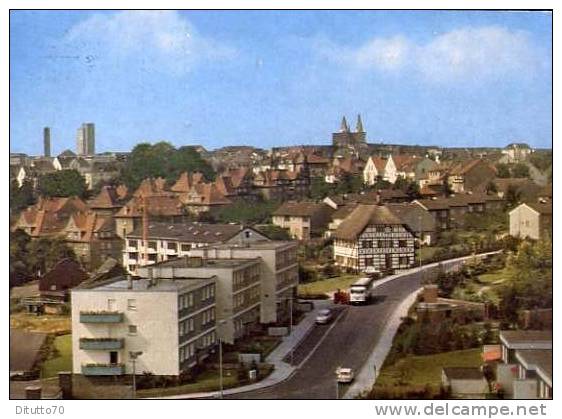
x=345, y=375
x=324, y=316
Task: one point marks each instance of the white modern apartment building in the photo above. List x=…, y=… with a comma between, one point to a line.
x=279, y=272
x=172, y=322
x=167, y=241
x=238, y=289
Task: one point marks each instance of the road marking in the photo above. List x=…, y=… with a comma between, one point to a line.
x=322, y=338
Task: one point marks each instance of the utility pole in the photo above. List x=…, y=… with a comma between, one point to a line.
x=134, y=355
x=220, y=368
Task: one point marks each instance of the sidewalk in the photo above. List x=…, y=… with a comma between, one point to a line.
x=367, y=376
x=368, y=373
x=282, y=370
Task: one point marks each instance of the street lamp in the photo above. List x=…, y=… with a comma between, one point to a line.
x=221, y=390
x=133, y=355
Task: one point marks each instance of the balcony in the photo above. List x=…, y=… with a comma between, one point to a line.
x=101, y=344
x=101, y=317
x=103, y=369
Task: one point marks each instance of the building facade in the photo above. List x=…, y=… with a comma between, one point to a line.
x=86, y=140
x=279, y=272
x=373, y=239
x=171, y=322
x=302, y=219
x=532, y=220
x=168, y=241
x=238, y=284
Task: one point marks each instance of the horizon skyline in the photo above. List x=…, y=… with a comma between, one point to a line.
x=280, y=78
x=328, y=142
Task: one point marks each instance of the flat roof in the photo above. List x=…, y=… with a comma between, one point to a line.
x=537, y=359
x=144, y=285
x=529, y=338
x=192, y=263
x=261, y=244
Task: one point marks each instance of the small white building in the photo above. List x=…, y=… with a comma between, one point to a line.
x=532, y=220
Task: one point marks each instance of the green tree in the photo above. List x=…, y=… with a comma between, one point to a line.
x=44, y=253
x=19, y=268
x=512, y=195
x=319, y=189
x=163, y=160
x=349, y=183
x=187, y=159
x=530, y=270
x=520, y=170
x=21, y=196
x=62, y=183
x=491, y=187
x=247, y=212
x=503, y=170
x=542, y=160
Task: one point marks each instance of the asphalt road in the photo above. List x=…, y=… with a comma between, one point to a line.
x=348, y=344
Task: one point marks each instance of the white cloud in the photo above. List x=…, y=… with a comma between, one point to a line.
x=477, y=53
x=162, y=40
x=384, y=53
x=481, y=52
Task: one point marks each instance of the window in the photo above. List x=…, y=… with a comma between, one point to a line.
x=366, y=244
x=132, y=329
x=368, y=261
x=403, y=243
x=131, y=304
x=247, y=234
x=185, y=247
x=152, y=245
x=133, y=243
x=172, y=246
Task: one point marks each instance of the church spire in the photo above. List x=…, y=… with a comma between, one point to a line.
x=344, y=127
x=359, y=126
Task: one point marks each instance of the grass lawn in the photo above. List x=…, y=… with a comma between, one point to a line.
x=491, y=277
x=327, y=285
x=62, y=360
x=46, y=323
x=206, y=382
x=421, y=370
x=484, y=287
x=426, y=253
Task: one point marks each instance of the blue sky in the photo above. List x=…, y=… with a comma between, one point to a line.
x=279, y=78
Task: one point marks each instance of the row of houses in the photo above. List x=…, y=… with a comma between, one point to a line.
x=175, y=311
x=95, y=169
